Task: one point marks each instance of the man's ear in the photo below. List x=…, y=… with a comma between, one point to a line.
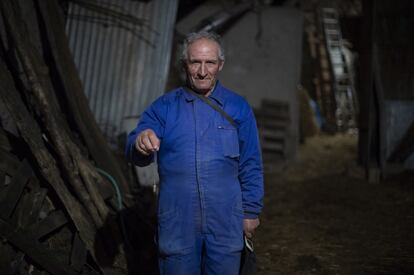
x=221, y=64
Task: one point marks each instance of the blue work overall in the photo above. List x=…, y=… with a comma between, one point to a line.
x=210, y=179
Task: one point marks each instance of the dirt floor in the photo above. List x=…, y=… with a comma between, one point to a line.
x=322, y=217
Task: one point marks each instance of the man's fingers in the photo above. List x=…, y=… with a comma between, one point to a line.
x=141, y=147
x=249, y=226
x=147, y=143
x=248, y=232
x=155, y=142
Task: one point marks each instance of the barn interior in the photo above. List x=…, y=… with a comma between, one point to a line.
x=332, y=88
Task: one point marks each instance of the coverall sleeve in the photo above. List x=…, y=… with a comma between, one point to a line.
x=152, y=118
x=250, y=166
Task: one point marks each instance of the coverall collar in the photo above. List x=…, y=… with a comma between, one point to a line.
x=216, y=94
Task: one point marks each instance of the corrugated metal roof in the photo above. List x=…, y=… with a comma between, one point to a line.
x=122, y=50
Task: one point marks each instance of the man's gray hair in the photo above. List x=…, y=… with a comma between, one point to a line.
x=194, y=36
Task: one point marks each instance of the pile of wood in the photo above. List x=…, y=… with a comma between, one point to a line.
x=57, y=212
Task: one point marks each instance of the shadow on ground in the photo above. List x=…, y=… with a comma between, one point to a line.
x=322, y=217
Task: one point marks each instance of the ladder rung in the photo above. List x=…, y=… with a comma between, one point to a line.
x=342, y=77
x=273, y=147
x=344, y=82
x=337, y=61
x=331, y=26
x=335, y=56
x=329, y=10
x=331, y=31
x=342, y=87
x=272, y=133
x=332, y=36
x=330, y=20
x=335, y=52
x=334, y=43
x=333, y=40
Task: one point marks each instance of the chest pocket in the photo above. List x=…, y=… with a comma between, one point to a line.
x=229, y=140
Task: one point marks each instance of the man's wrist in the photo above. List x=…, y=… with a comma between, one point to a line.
x=250, y=215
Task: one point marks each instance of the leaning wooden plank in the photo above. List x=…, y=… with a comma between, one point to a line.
x=4, y=141
x=3, y=183
x=39, y=253
x=32, y=135
x=74, y=95
x=17, y=265
x=7, y=253
x=55, y=220
x=78, y=254
x=11, y=195
x=9, y=163
x=29, y=212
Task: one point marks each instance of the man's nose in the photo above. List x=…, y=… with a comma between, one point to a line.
x=202, y=71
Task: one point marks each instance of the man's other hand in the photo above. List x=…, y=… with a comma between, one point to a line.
x=249, y=226
x=147, y=142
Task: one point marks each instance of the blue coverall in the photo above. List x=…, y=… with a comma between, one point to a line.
x=211, y=177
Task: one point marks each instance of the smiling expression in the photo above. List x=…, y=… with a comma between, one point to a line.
x=203, y=65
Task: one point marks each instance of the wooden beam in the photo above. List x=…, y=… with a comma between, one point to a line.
x=39, y=253
x=4, y=141
x=11, y=195
x=75, y=96
x=31, y=206
x=7, y=253
x=55, y=220
x=17, y=265
x=9, y=163
x=78, y=254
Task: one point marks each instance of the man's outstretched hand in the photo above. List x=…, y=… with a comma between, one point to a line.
x=147, y=142
x=249, y=225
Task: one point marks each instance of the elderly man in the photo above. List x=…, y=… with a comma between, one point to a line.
x=211, y=179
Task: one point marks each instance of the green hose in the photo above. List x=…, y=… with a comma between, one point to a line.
x=121, y=217
x=115, y=184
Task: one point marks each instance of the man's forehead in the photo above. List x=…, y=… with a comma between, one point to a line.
x=204, y=42
x=203, y=47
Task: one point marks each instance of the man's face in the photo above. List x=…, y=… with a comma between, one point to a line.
x=203, y=64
